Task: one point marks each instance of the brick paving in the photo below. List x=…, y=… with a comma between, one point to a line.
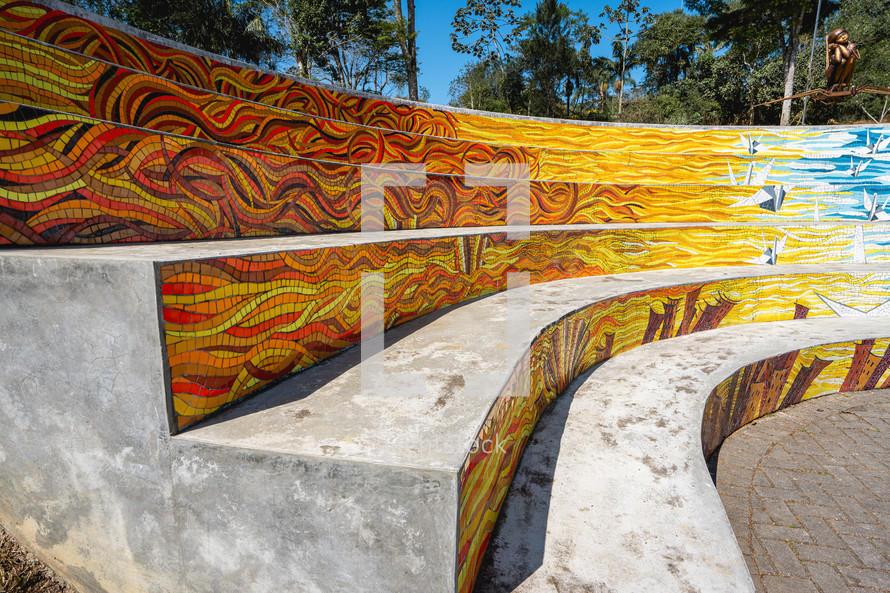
x=807, y=491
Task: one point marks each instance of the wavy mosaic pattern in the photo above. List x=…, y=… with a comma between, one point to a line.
x=80, y=35
x=81, y=86
x=30, y=19
x=612, y=174
x=776, y=383
x=609, y=327
x=233, y=325
x=83, y=36
x=71, y=180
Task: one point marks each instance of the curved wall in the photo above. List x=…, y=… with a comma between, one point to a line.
x=106, y=137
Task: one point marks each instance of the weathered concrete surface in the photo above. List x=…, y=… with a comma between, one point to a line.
x=309, y=487
x=807, y=490
x=259, y=522
x=84, y=454
x=90, y=479
x=631, y=504
x=462, y=354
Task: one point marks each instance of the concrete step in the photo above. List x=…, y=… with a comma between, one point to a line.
x=613, y=492
x=445, y=404
x=318, y=484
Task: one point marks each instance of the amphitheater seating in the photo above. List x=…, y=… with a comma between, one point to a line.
x=184, y=258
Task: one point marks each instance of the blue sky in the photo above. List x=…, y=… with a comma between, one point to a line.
x=440, y=64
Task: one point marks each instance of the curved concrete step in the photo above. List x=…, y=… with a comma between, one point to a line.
x=613, y=493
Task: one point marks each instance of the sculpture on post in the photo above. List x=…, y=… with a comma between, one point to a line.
x=840, y=60
x=841, y=55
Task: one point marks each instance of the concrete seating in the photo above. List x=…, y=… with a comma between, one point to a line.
x=363, y=478
x=630, y=505
x=183, y=413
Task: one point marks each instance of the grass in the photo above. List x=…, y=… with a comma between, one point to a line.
x=22, y=572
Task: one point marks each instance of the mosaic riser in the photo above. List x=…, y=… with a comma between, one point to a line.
x=232, y=325
x=615, y=325
x=66, y=180
x=241, y=193
x=776, y=383
x=86, y=37
x=46, y=77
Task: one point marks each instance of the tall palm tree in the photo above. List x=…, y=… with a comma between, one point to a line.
x=609, y=74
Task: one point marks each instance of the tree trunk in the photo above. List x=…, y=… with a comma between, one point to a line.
x=413, y=93
x=625, y=42
x=409, y=48
x=789, y=62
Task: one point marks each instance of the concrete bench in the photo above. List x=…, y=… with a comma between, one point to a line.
x=463, y=356
x=613, y=493
x=313, y=484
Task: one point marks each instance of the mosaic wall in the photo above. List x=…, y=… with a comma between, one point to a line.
x=776, y=383
x=232, y=325
x=72, y=180
x=108, y=138
x=565, y=350
x=83, y=36
x=43, y=76
x=69, y=32
x=229, y=184
x=80, y=86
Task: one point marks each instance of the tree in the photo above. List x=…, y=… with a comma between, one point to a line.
x=551, y=52
x=631, y=17
x=742, y=21
x=480, y=24
x=350, y=43
x=477, y=86
x=608, y=72
x=363, y=47
x=488, y=86
x=667, y=47
x=235, y=29
x=407, y=38
x=301, y=28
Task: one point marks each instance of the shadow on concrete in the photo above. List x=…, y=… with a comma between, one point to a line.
x=305, y=382
x=516, y=547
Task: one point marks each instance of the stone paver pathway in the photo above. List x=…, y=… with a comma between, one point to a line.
x=808, y=493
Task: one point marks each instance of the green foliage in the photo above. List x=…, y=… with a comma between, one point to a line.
x=350, y=43
x=479, y=28
x=545, y=73
x=547, y=56
x=225, y=27
x=667, y=47
x=486, y=85
x=705, y=68
x=780, y=22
